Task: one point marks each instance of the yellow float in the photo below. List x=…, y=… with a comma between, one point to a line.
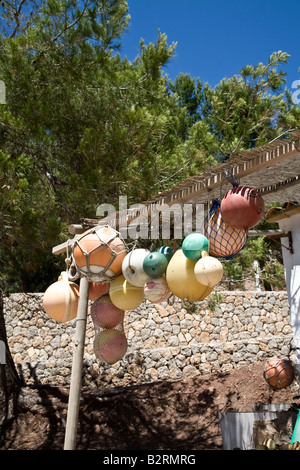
x=124, y=295
x=182, y=281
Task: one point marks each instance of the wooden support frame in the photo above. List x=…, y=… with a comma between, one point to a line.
x=274, y=234
x=290, y=240
x=76, y=376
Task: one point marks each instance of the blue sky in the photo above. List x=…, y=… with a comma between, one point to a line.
x=216, y=38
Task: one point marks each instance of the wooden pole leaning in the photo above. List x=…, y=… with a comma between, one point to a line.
x=77, y=366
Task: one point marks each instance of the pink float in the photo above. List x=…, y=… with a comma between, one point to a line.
x=105, y=314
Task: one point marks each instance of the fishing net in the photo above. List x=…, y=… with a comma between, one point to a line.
x=110, y=342
x=98, y=253
x=224, y=241
x=278, y=373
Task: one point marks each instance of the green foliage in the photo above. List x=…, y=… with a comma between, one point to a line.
x=189, y=95
x=263, y=250
x=243, y=111
x=213, y=300
x=273, y=275
x=82, y=126
x=191, y=307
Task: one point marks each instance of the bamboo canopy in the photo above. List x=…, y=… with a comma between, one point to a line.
x=273, y=170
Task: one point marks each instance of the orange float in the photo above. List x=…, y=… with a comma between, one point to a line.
x=98, y=253
x=242, y=207
x=225, y=241
x=97, y=289
x=278, y=373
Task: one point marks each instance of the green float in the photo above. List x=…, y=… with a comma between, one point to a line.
x=155, y=264
x=194, y=244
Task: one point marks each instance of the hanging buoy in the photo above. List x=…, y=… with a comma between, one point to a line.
x=155, y=264
x=60, y=300
x=110, y=345
x=166, y=251
x=105, y=314
x=278, y=373
x=156, y=290
x=242, y=207
x=208, y=270
x=194, y=244
x=182, y=281
x=132, y=267
x=96, y=290
x=225, y=241
x=125, y=295
x=98, y=253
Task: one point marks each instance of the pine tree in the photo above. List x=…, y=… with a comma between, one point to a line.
x=80, y=127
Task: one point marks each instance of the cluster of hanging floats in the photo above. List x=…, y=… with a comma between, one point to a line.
x=120, y=280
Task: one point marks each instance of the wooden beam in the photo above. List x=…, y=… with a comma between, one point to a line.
x=267, y=233
x=284, y=214
x=58, y=249
x=273, y=188
x=75, y=229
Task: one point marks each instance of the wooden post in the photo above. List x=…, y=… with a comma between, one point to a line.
x=76, y=376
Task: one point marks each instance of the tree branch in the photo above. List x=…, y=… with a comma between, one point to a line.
x=71, y=25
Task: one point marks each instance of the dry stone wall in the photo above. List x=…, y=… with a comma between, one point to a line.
x=165, y=341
